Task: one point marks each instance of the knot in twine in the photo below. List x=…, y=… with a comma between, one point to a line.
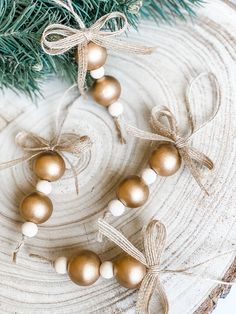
x=70, y=38
x=171, y=133
x=61, y=143
x=154, y=238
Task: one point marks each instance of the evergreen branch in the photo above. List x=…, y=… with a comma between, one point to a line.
x=168, y=10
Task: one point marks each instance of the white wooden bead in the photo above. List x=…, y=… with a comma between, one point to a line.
x=116, y=109
x=44, y=186
x=149, y=176
x=116, y=207
x=60, y=265
x=106, y=270
x=98, y=73
x=29, y=229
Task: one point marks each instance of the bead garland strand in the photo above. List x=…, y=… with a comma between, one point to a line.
x=36, y=208
x=132, y=270
x=91, y=45
x=49, y=166
x=164, y=161
x=106, y=89
x=85, y=268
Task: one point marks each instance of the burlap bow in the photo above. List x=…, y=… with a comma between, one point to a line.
x=171, y=133
x=33, y=145
x=68, y=38
x=154, y=238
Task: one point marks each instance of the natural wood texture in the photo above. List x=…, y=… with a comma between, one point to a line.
x=198, y=226
x=221, y=290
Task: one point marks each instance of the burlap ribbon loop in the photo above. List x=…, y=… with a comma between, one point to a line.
x=154, y=239
x=58, y=39
x=171, y=133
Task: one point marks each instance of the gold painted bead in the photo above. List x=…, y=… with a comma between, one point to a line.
x=129, y=272
x=49, y=166
x=83, y=269
x=106, y=90
x=132, y=192
x=36, y=207
x=96, y=56
x=165, y=160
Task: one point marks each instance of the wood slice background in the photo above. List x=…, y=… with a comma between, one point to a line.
x=198, y=226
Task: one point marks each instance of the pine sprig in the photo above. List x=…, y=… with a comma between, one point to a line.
x=168, y=10
x=23, y=64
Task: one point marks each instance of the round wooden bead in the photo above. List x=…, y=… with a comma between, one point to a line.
x=98, y=73
x=165, y=160
x=132, y=192
x=36, y=207
x=60, y=265
x=149, y=176
x=116, y=109
x=129, y=272
x=49, y=166
x=116, y=207
x=106, y=90
x=44, y=187
x=96, y=56
x=84, y=269
x=29, y=229
x=106, y=270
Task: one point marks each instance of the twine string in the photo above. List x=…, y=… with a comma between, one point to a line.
x=42, y=258
x=119, y=130
x=20, y=244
